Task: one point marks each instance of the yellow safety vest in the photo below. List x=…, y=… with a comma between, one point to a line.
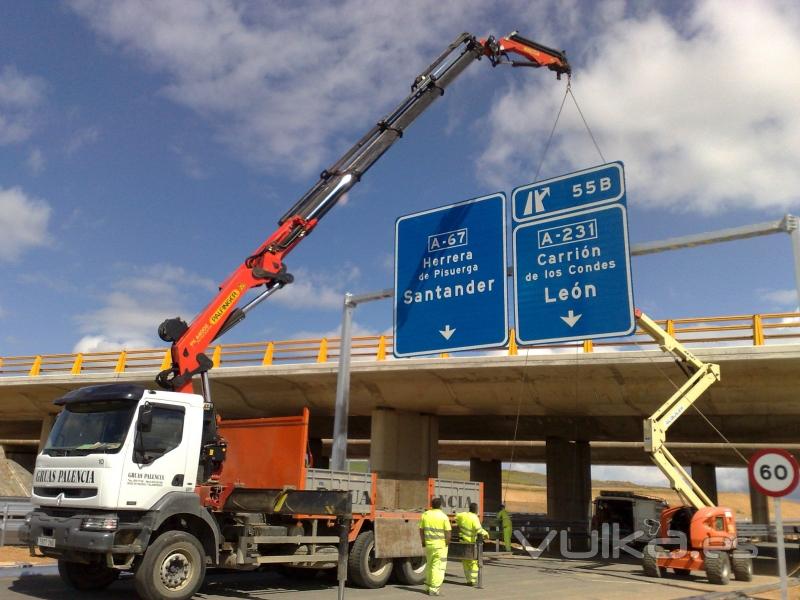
x=504, y=518
x=434, y=525
x=469, y=527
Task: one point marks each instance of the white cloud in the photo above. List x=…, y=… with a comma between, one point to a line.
x=316, y=290
x=357, y=330
x=23, y=223
x=780, y=297
x=284, y=82
x=82, y=138
x=20, y=96
x=35, y=161
x=703, y=113
x=135, y=306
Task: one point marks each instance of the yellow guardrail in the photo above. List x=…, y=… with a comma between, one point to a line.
x=756, y=330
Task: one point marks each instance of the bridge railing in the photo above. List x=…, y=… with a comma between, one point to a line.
x=756, y=330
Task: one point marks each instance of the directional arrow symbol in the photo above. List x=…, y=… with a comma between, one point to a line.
x=570, y=319
x=447, y=333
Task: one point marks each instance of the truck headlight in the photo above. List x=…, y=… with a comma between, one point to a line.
x=99, y=524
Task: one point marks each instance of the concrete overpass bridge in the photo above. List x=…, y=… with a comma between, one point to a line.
x=568, y=406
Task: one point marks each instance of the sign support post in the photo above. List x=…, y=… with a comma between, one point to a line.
x=781, y=550
x=775, y=472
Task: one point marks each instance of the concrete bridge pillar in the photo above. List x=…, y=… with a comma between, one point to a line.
x=569, y=479
x=759, y=506
x=490, y=472
x=320, y=461
x=404, y=445
x=44, y=433
x=706, y=477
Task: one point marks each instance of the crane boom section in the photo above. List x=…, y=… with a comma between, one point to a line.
x=701, y=376
x=265, y=266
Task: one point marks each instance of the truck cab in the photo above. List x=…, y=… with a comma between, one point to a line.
x=119, y=447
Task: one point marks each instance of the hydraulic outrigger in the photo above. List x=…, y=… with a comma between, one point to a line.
x=709, y=531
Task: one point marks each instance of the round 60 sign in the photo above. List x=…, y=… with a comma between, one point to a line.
x=774, y=472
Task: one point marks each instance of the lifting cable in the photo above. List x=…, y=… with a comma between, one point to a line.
x=694, y=404
x=567, y=92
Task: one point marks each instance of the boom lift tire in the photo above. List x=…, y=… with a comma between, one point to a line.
x=650, y=561
x=742, y=566
x=363, y=568
x=409, y=571
x=718, y=567
x=86, y=577
x=173, y=567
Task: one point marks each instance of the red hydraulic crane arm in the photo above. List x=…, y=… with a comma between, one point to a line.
x=265, y=267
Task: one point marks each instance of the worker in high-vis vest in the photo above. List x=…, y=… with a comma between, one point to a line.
x=469, y=530
x=434, y=533
x=504, y=519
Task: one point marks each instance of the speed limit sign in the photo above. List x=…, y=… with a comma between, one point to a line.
x=774, y=472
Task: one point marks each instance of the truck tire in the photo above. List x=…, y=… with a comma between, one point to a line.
x=718, y=567
x=86, y=577
x=409, y=571
x=173, y=567
x=363, y=569
x=742, y=566
x=650, y=561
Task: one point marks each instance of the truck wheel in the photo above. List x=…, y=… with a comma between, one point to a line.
x=173, y=567
x=409, y=571
x=86, y=577
x=363, y=568
x=650, y=561
x=718, y=567
x=742, y=566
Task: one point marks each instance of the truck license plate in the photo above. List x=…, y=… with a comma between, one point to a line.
x=48, y=542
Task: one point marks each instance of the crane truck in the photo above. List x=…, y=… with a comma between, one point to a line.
x=697, y=536
x=153, y=482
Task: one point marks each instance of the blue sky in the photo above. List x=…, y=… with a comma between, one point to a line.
x=147, y=148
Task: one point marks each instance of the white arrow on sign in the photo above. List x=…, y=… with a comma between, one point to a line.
x=447, y=333
x=571, y=318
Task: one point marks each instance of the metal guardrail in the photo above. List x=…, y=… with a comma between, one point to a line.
x=763, y=532
x=12, y=511
x=757, y=330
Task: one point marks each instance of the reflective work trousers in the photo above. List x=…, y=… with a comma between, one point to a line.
x=435, y=566
x=507, y=538
x=470, y=570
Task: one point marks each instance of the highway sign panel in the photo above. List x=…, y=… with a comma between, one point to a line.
x=583, y=189
x=774, y=472
x=572, y=276
x=450, y=278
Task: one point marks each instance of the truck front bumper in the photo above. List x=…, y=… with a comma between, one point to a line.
x=73, y=543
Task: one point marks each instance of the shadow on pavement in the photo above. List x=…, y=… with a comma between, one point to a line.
x=256, y=584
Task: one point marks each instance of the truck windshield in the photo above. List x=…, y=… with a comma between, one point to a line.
x=90, y=427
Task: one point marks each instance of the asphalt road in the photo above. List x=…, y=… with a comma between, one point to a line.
x=509, y=578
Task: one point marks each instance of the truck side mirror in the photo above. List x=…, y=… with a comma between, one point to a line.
x=145, y=422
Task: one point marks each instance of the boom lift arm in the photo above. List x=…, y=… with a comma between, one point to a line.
x=701, y=377
x=265, y=266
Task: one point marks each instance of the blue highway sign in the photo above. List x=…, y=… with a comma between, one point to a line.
x=450, y=278
x=582, y=189
x=572, y=276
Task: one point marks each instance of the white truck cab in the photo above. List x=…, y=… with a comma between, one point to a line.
x=119, y=448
